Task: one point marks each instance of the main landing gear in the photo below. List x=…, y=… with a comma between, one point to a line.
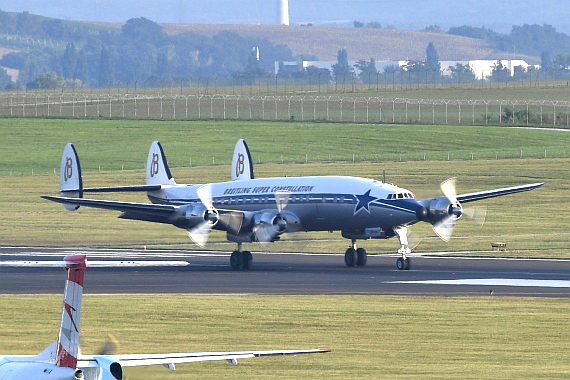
x=241, y=260
x=355, y=257
x=404, y=262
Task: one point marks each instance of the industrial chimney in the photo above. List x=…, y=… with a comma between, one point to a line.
x=283, y=12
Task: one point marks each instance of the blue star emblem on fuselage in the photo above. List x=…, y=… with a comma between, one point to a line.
x=363, y=202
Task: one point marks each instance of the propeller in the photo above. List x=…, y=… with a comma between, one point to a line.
x=231, y=220
x=109, y=347
x=201, y=232
x=444, y=227
x=270, y=224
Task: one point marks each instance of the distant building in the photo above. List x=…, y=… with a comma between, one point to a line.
x=482, y=68
x=297, y=66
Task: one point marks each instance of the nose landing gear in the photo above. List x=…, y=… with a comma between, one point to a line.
x=404, y=262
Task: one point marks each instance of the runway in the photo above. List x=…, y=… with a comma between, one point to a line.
x=285, y=273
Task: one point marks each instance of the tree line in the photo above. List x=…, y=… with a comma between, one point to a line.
x=142, y=54
x=139, y=53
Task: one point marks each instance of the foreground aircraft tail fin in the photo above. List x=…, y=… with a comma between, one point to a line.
x=68, y=338
x=70, y=177
x=157, y=171
x=242, y=164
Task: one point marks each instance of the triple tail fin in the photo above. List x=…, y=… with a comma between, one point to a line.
x=157, y=171
x=242, y=164
x=68, y=338
x=70, y=177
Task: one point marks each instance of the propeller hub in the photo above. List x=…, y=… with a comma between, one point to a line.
x=211, y=217
x=456, y=211
x=280, y=224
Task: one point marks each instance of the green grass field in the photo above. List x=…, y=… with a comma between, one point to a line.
x=371, y=337
x=533, y=224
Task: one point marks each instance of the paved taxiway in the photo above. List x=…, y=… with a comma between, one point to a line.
x=210, y=273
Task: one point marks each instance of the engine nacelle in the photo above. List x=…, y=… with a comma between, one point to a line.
x=191, y=216
x=109, y=369
x=438, y=209
x=273, y=219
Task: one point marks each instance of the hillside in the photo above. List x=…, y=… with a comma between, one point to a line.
x=360, y=43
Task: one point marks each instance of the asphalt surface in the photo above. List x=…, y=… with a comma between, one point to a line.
x=282, y=273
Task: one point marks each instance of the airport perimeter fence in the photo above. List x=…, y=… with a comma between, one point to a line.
x=317, y=108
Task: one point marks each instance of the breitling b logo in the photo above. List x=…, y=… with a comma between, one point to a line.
x=68, y=170
x=240, y=165
x=154, y=165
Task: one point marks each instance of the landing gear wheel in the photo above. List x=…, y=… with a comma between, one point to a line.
x=404, y=264
x=400, y=263
x=236, y=260
x=362, y=257
x=407, y=263
x=247, y=260
x=350, y=257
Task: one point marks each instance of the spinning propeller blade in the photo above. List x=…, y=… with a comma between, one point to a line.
x=476, y=214
x=231, y=220
x=448, y=189
x=267, y=230
x=444, y=228
x=201, y=232
x=282, y=198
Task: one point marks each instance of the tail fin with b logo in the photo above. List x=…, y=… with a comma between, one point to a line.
x=70, y=177
x=242, y=165
x=157, y=171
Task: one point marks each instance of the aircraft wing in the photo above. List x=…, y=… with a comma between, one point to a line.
x=471, y=197
x=118, y=189
x=150, y=212
x=146, y=208
x=135, y=360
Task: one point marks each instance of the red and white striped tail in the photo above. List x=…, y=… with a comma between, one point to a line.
x=68, y=339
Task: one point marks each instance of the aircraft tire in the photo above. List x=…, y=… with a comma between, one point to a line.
x=236, y=260
x=350, y=258
x=407, y=263
x=247, y=260
x=362, y=257
x=400, y=263
x=404, y=264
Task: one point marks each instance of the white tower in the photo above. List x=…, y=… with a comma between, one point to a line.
x=283, y=12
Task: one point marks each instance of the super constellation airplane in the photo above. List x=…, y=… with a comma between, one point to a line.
x=261, y=209
x=62, y=361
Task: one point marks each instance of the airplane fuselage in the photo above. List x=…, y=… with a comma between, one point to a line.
x=21, y=368
x=321, y=203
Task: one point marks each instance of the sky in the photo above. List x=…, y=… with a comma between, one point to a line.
x=409, y=14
